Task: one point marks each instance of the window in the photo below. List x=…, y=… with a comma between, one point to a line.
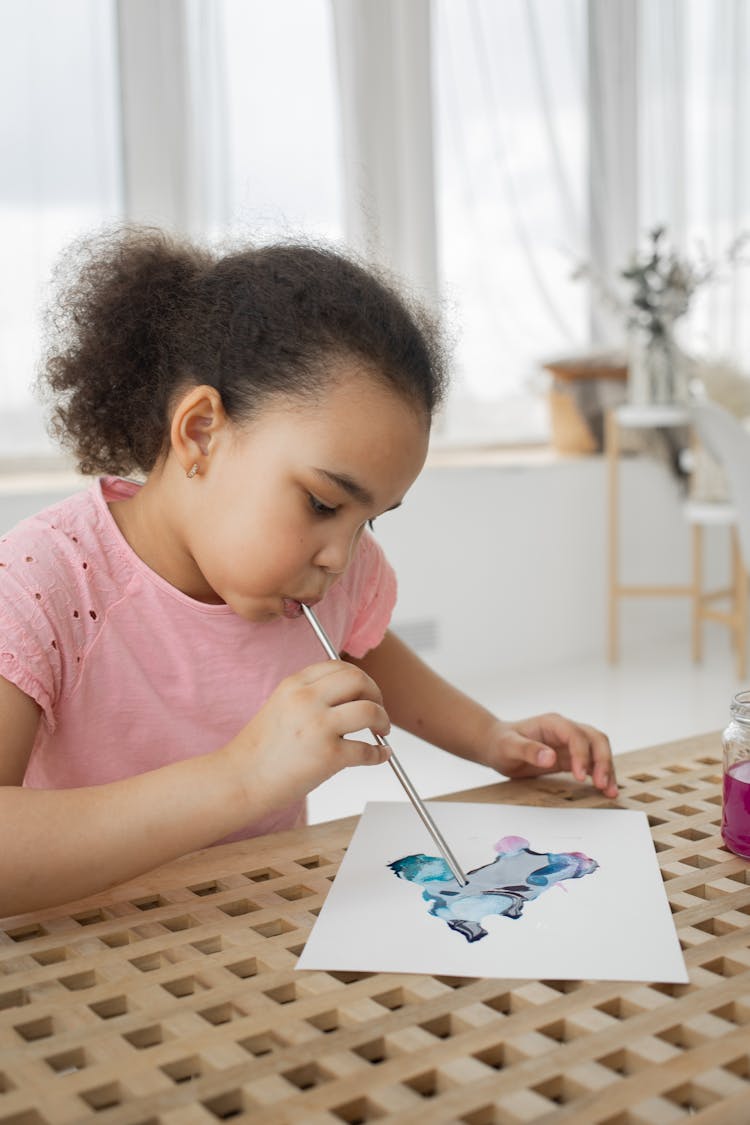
x=59, y=176
x=511, y=151
x=282, y=134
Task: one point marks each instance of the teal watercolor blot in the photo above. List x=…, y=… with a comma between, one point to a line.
x=517, y=876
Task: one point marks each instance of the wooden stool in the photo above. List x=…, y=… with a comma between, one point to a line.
x=701, y=514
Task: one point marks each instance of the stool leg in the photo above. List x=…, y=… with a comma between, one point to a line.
x=740, y=605
x=611, y=443
x=697, y=592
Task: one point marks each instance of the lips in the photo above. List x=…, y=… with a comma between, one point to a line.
x=293, y=606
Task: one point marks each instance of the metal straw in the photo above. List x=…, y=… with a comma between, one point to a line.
x=393, y=761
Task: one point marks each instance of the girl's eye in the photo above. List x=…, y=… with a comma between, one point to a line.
x=320, y=508
x=371, y=523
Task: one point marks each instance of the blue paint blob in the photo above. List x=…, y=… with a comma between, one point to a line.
x=504, y=886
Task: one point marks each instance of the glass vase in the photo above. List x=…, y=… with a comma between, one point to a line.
x=656, y=369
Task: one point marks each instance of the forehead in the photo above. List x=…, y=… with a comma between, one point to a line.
x=355, y=427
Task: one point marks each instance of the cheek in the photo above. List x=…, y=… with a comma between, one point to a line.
x=259, y=553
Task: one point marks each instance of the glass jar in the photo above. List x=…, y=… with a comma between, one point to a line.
x=735, y=819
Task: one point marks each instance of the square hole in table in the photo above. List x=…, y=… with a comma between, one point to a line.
x=725, y=967
x=284, y=994
x=325, y=1021
x=244, y=969
x=274, y=928
x=307, y=1076
x=110, y=1008
x=209, y=945
x=68, y=1061
x=90, y=917
x=50, y=956
x=117, y=940
x=150, y=902
x=699, y=861
x=227, y=1105
x=183, y=1070
x=262, y=875
x=739, y=1067
x=42, y=1028
x=358, y=1111
x=693, y=834
x=182, y=922
x=264, y=1043
x=558, y=1090
x=27, y=933
x=103, y=1097
x=77, y=982
x=312, y=861
x=239, y=907
x=25, y=1117
x=184, y=986
x=494, y=1056
x=16, y=998
x=221, y=1013
x=145, y=1037
x=374, y=1051
x=210, y=888
x=292, y=894
x=691, y=1096
x=736, y=1012
x=442, y=1027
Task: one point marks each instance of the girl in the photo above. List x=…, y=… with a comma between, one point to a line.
x=160, y=689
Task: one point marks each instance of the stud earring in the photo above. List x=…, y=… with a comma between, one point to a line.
x=192, y=471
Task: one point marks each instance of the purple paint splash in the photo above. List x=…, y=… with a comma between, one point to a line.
x=517, y=876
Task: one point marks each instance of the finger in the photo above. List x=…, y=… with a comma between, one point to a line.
x=314, y=672
x=532, y=753
x=338, y=682
x=603, y=771
x=583, y=747
x=356, y=753
x=347, y=718
x=579, y=751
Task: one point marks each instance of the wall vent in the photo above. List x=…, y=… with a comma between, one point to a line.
x=422, y=635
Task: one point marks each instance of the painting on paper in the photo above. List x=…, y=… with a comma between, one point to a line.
x=550, y=894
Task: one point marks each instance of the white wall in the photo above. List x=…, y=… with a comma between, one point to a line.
x=506, y=563
x=511, y=562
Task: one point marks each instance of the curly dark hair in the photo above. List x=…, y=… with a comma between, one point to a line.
x=141, y=315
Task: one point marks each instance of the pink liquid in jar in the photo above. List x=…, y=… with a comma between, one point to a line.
x=735, y=821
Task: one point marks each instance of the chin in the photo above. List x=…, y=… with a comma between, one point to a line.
x=256, y=611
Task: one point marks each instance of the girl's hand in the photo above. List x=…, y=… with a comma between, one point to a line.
x=297, y=740
x=546, y=743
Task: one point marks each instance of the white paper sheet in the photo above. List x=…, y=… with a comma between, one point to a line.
x=611, y=923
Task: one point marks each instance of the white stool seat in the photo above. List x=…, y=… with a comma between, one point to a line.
x=710, y=513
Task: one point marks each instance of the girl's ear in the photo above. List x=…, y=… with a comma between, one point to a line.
x=197, y=420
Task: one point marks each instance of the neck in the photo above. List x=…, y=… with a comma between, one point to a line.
x=150, y=521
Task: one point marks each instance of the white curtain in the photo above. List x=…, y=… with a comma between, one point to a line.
x=566, y=129
x=173, y=114
x=694, y=156
x=385, y=104
x=59, y=174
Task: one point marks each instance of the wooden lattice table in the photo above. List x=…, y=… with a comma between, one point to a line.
x=173, y=1000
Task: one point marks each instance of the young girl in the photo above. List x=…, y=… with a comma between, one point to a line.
x=159, y=688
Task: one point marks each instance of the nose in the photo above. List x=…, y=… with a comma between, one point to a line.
x=336, y=553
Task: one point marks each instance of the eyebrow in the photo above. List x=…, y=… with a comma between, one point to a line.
x=357, y=491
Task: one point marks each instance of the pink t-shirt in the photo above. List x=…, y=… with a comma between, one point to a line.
x=130, y=673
